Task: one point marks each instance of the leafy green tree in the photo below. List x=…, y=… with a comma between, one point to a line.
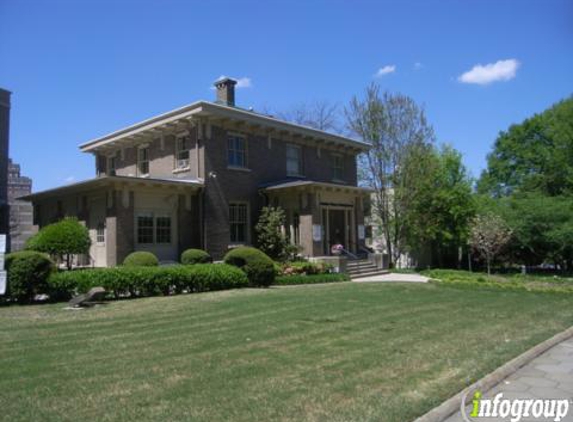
x=441, y=209
x=61, y=240
x=536, y=155
x=270, y=237
x=542, y=228
x=396, y=127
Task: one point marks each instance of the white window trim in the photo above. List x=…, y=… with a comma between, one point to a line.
x=178, y=138
x=138, y=162
x=98, y=242
x=154, y=215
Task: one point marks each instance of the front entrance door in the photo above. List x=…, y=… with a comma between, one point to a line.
x=336, y=229
x=336, y=226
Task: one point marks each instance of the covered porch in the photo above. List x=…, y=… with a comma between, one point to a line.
x=126, y=214
x=320, y=215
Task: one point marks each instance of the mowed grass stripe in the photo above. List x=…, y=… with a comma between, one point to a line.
x=333, y=352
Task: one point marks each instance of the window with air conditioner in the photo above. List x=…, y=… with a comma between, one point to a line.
x=182, y=153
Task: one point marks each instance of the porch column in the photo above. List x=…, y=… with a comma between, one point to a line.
x=309, y=216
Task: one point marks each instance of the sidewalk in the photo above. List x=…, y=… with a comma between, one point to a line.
x=549, y=376
x=393, y=278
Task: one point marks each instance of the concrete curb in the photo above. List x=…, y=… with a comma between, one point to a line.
x=452, y=405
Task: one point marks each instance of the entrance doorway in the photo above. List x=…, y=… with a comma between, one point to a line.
x=336, y=228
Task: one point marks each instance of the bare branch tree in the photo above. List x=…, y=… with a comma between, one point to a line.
x=397, y=129
x=488, y=235
x=320, y=115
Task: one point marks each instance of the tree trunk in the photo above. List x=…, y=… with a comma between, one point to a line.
x=488, y=267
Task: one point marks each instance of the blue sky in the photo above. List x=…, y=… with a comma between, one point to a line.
x=81, y=69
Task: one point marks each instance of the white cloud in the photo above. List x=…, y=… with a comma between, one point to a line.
x=418, y=66
x=502, y=70
x=243, y=82
x=385, y=70
x=70, y=179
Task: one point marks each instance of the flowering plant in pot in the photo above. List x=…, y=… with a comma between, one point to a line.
x=336, y=249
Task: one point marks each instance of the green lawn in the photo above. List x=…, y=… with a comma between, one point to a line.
x=337, y=352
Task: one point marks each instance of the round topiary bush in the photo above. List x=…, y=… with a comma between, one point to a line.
x=28, y=273
x=195, y=256
x=260, y=269
x=141, y=259
x=63, y=239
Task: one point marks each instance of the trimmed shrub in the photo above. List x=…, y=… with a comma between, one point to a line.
x=195, y=256
x=311, y=279
x=28, y=272
x=141, y=259
x=260, y=269
x=149, y=281
x=62, y=239
x=305, y=267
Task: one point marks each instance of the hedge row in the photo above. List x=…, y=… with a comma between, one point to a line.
x=469, y=280
x=289, y=280
x=258, y=266
x=148, y=281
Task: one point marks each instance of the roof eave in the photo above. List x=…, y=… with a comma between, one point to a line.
x=205, y=108
x=102, y=181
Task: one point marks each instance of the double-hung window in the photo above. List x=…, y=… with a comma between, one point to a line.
x=100, y=233
x=111, y=164
x=237, y=151
x=337, y=167
x=182, y=152
x=238, y=222
x=294, y=160
x=145, y=228
x=153, y=229
x=143, y=161
x=163, y=229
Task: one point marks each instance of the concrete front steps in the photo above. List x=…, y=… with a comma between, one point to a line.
x=363, y=268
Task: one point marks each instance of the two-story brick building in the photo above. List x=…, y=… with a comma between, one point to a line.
x=197, y=176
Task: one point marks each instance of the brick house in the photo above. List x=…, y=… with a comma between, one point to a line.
x=197, y=177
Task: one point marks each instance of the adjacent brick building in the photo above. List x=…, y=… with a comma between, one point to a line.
x=4, y=142
x=197, y=176
x=21, y=212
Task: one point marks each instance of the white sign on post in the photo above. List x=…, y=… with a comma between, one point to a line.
x=2, y=272
x=2, y=282
x=361, y=232
x=316, y=232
